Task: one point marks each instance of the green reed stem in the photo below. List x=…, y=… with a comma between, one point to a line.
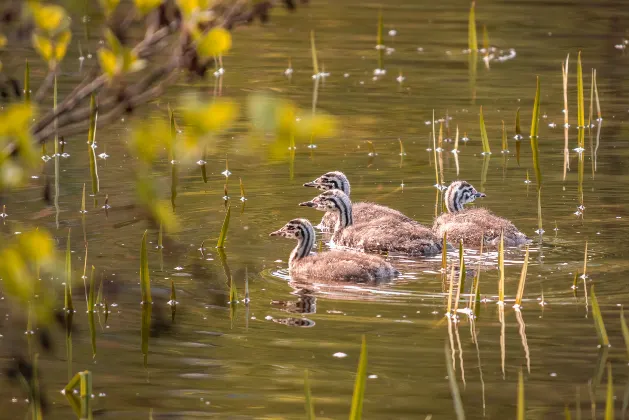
x=360, y=384
x=504, y=137
x=609, y=399
x=521, y=409
x=313, y=53
x=581, y=105
x=518, y=299
x=454, y=387
x=145, y=280
x=625, y=329
x=534, y=138
x=69, y=306
x=223, y=236
x=501, y=267
x=91, y=138
x=472, y=42
x=310, y=412
x=462, y=275
x=603, y=339
x=483, y=133
x=598, y=103
x=518, y=136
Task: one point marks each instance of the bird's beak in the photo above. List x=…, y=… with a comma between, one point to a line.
x=480, y=195
x=308, y=203
x=311, y=184
x=279, y=232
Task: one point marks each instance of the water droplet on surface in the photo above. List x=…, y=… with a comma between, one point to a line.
x=339, y=355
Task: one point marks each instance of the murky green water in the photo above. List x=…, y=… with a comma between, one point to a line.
x=206, y=364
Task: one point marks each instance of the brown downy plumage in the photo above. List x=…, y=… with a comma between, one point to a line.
x=473, y=225
x=379, y=234
x=362, y=211
x=339, y=266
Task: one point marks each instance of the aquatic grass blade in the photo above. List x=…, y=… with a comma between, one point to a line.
x=534, y=137
x=518, y=136
x=598, y=103
x=454, y=388
x=585, y=261
x=518, y=299
x=609, y=399
x=591, y=107
x=91, y=143
x=625, y=329
x=501, y=268
x=505, y=147
x=539, y=211
x=145, y=330
x=483, y=134
x=462, y=275
x=310, y=412
x=69, y=306
x=223, y=235
x=472, y=42
x=145, y=280
x=580, y=100
x=360, y=384
x=521, y=409
x=598, y=321
x=380, y=42
x=83, y=200
x=313, y=53
x=450, y=291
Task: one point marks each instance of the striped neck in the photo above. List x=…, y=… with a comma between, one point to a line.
x=457, y=195
x=344, y=209
x=341, y=182
x=305, y=242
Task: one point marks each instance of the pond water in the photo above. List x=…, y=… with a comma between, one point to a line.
x=251, y=363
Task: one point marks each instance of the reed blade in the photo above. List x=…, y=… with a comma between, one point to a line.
x=609, y=399
x=505, y=147
x=380, y=42
x=360, y=384
x=145, y=280
x=145, y=330
x=83, y=200
x=566, y=413
x=539, y=211
x=174, y=176
x=462, y=275
x=534, y=138
x=521, y=409
x=625, y=329
x=472, y=42
x=454, y=387
x=580, y=100
x=518, y=299
x=91, y=145
x=598, y=103
x=434, y=149
x=501, y=267
x=591, y=107
x=450, y=291
x=518, y=136
x=313, y=53
x=69, y=306
x=603, y=339
x=483, y=134
x=310, y=412
x=223, y=236
x=173, y=301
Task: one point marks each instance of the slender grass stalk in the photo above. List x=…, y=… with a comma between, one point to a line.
x=564, y=74
x=574, y=282
x=360, y=384
x=310, y=412
x=56, y=154
x=372, y=149
x=598, y=103
x=591, y=107
x=518, y=136
x=444, y=252
x=455, y=151
x=160, y=238
x=90, y=313
x=501, y=267
x=91, y=302
x=145, y=330
x=174, y=176
x=380, y=43
x=462, y=275
x=609, y=400
x=585, y=261
x=540, y=229
x=434, y=150
x=36, y=390
x=476, y=284
x=83, y=211
x=483, y=134
x=603, y=339
x=203, y=167
x=223, y=235
x=580, y=103
x=521, y=409
x=518, y=299
x=69, y=306
x=449, y=311
x=145, y=280
x=91, y=139
x=472, y=42
x=402, y=151
x=454, y=387
x=566, y=412
x=173, y=300
x=242, y=189
x=505, y=148
x=534, y=139
x=313, y=53
x=625, y=329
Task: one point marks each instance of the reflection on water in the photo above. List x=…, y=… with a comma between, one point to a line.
x=219, y=357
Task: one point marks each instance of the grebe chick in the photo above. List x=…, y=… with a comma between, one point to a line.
x=382, y=234
x=335, y=265
x=362, y=211
x=473, y=225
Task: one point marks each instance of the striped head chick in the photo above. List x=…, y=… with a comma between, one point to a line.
x=460, y=193
x=333, y=201
x=302, y=230
x=331, y=181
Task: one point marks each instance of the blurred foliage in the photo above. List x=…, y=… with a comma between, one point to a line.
x=118, y=59
x=21, y=259
x=146, y=6
x=151, y=140
x=216, y=42
x=17, y=152
x=109, y=7
x=3, y=43
x=52, y=35
x=285, y=121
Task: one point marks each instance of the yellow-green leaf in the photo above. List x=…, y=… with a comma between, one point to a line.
x=61, y=45
x=209, y=118
x=217, y=41
x=146, y=6
x=108, y=62
x=49, y=18
x=43, y=46
x=113, y=42
x=189, y=7
x=109, y=6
